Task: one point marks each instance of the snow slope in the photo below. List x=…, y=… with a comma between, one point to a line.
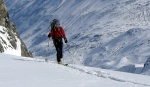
x=25, y=72
x=112, y=34
x=125, y=51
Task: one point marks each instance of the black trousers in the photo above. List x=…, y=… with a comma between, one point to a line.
x=58, y=43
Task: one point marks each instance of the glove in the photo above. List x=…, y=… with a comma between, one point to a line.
x=49, y=35
x=65, y=40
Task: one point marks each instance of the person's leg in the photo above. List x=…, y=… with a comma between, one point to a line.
x=58, y=55
x=57, y=49
x=60, y=50
x=58, y=45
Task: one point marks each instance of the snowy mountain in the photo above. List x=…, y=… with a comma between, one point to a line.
x=28, y=72
x=10, y=41
x=133, y=46
x=111, y=34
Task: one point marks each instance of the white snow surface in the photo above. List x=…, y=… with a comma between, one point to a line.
x=110, y=34
x=18, y=71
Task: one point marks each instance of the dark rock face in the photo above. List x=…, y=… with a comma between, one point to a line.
x=12, y=32
x=146, y=65
x=1, y=48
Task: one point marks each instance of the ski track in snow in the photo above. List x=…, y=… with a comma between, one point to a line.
x=105, y=75
x=87, y=70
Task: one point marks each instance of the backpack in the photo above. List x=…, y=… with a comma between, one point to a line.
x=54, y=22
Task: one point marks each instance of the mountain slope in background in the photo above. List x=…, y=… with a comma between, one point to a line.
x=112, y=34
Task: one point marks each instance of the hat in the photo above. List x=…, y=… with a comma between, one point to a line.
x=56, y=22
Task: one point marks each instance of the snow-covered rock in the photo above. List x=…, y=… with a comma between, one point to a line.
x=10, y=41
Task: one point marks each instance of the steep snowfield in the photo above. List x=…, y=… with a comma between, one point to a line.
x=5, y=41
x=125, y=51
x=24, y=72
x=112, y=34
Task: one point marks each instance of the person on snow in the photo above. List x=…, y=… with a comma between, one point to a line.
x=57, y=33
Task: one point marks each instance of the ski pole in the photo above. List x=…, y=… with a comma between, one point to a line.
x=48, y=27
x=48, y=41
x=48, y=38
x=68, y=48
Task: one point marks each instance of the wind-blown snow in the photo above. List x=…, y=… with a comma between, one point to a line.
x=25, y=72
x=112, y=34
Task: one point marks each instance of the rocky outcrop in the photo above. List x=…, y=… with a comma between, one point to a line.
x=146, y=65
x=11, y=31
x=3, y=14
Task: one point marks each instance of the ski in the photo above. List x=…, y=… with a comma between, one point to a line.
x=64, y=64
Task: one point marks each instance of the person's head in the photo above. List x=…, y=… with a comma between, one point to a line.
x=55, y=19
x=56, y=22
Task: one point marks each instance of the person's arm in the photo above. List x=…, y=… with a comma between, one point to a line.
x=50, y=34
